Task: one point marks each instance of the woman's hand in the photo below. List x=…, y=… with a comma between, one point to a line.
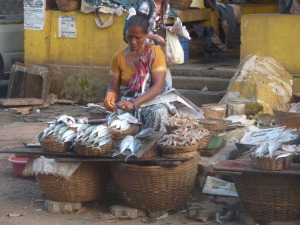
x=110, y=101
x=160, y=40
x=126, y=105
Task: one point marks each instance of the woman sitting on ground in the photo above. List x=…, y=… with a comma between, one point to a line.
x=142, y=67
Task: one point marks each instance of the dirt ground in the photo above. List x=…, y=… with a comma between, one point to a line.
x=22, y=195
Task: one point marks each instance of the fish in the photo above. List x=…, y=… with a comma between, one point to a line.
x=120, y=125
x=124, y=145
x=273, y=146
x=62, y=130
x=83, y=127
x=128, y=117
x=88, y=131
x=66, y=134
x=48, y=131
x=261, y=149
x=70, y=138
x=57, y=128
x=145, y=133
x=111, y=117
x=83, y=120
x=40, y=135
x=284, y=155
x=97, y=129
x=133, y=147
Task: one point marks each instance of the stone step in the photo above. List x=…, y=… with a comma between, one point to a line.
x=198, y=83
x=202, y=97
x=198, y=72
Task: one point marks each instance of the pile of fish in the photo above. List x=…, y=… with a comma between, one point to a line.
x=180, y=119
x=92, y=136
x=276, y=148
x=60, y=128
x=187, y=135
x=132, y=143
x=119, y=126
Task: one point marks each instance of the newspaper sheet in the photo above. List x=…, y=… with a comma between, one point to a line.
x=215, y=186
x=34, y=14
x=67, y=27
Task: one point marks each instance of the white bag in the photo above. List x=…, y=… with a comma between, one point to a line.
x=174, y=51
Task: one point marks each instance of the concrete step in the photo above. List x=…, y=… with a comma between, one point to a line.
x=198, y=83
x=202, y=97
x=198, y=72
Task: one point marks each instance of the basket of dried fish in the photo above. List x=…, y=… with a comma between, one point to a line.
x=214, y=125
x=93, y=140
x=204, y=141
x=155, y=188
x=187, y=138
x=119, y=129
x=272, y=155
x=88, y=183
x=176, y=121
x=214, y=111
x=52, y=144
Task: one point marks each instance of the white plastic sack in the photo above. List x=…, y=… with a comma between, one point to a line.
x=181, y=30
x=174, y=51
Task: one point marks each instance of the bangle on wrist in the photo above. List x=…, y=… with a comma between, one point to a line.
x=132, y=102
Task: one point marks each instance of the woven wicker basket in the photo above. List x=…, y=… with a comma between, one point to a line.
x=155, y=188
x=88, y=183
x=178, y=149
x=283, y=110
x=192, y=154
x=115, y=134
x=82, y=149
x=68, y=5
x=214, y=125
x=214, y=111
x=204, y=142
x=265, y=163
x=296, y=95
x=181, y=4
x=269, y=197
x=50, y=144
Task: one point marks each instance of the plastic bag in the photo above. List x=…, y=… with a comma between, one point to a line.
x=181, y=30
x=174, y=51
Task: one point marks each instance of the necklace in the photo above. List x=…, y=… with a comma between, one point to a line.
x=138, y=57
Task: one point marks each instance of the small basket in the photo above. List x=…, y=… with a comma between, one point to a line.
x=273, y=164
x=155, y=188
x=117, y=135
x=88, y=183
x=214, y=111
x=82, y=149
x=296, y=95
x=192, y=154
x=181, y=4
x=214, y=125
x=68, y=5
x=204, y=142
x=50, y=144
x=178, y=149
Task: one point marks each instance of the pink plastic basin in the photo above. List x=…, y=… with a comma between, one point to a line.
x=18, y=165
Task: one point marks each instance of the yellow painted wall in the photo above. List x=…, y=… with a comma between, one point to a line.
x=275, y=35
x=92, y=47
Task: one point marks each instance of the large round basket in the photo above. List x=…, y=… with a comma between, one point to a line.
x=214, y=125
x=68, y=5
x=269, y=197
x=265, y=163
x=155, y=188
x=51, y=144
x=181, y=4
x=192, y=154
x=82, y=149
x=171, y=149
x=88, y=183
